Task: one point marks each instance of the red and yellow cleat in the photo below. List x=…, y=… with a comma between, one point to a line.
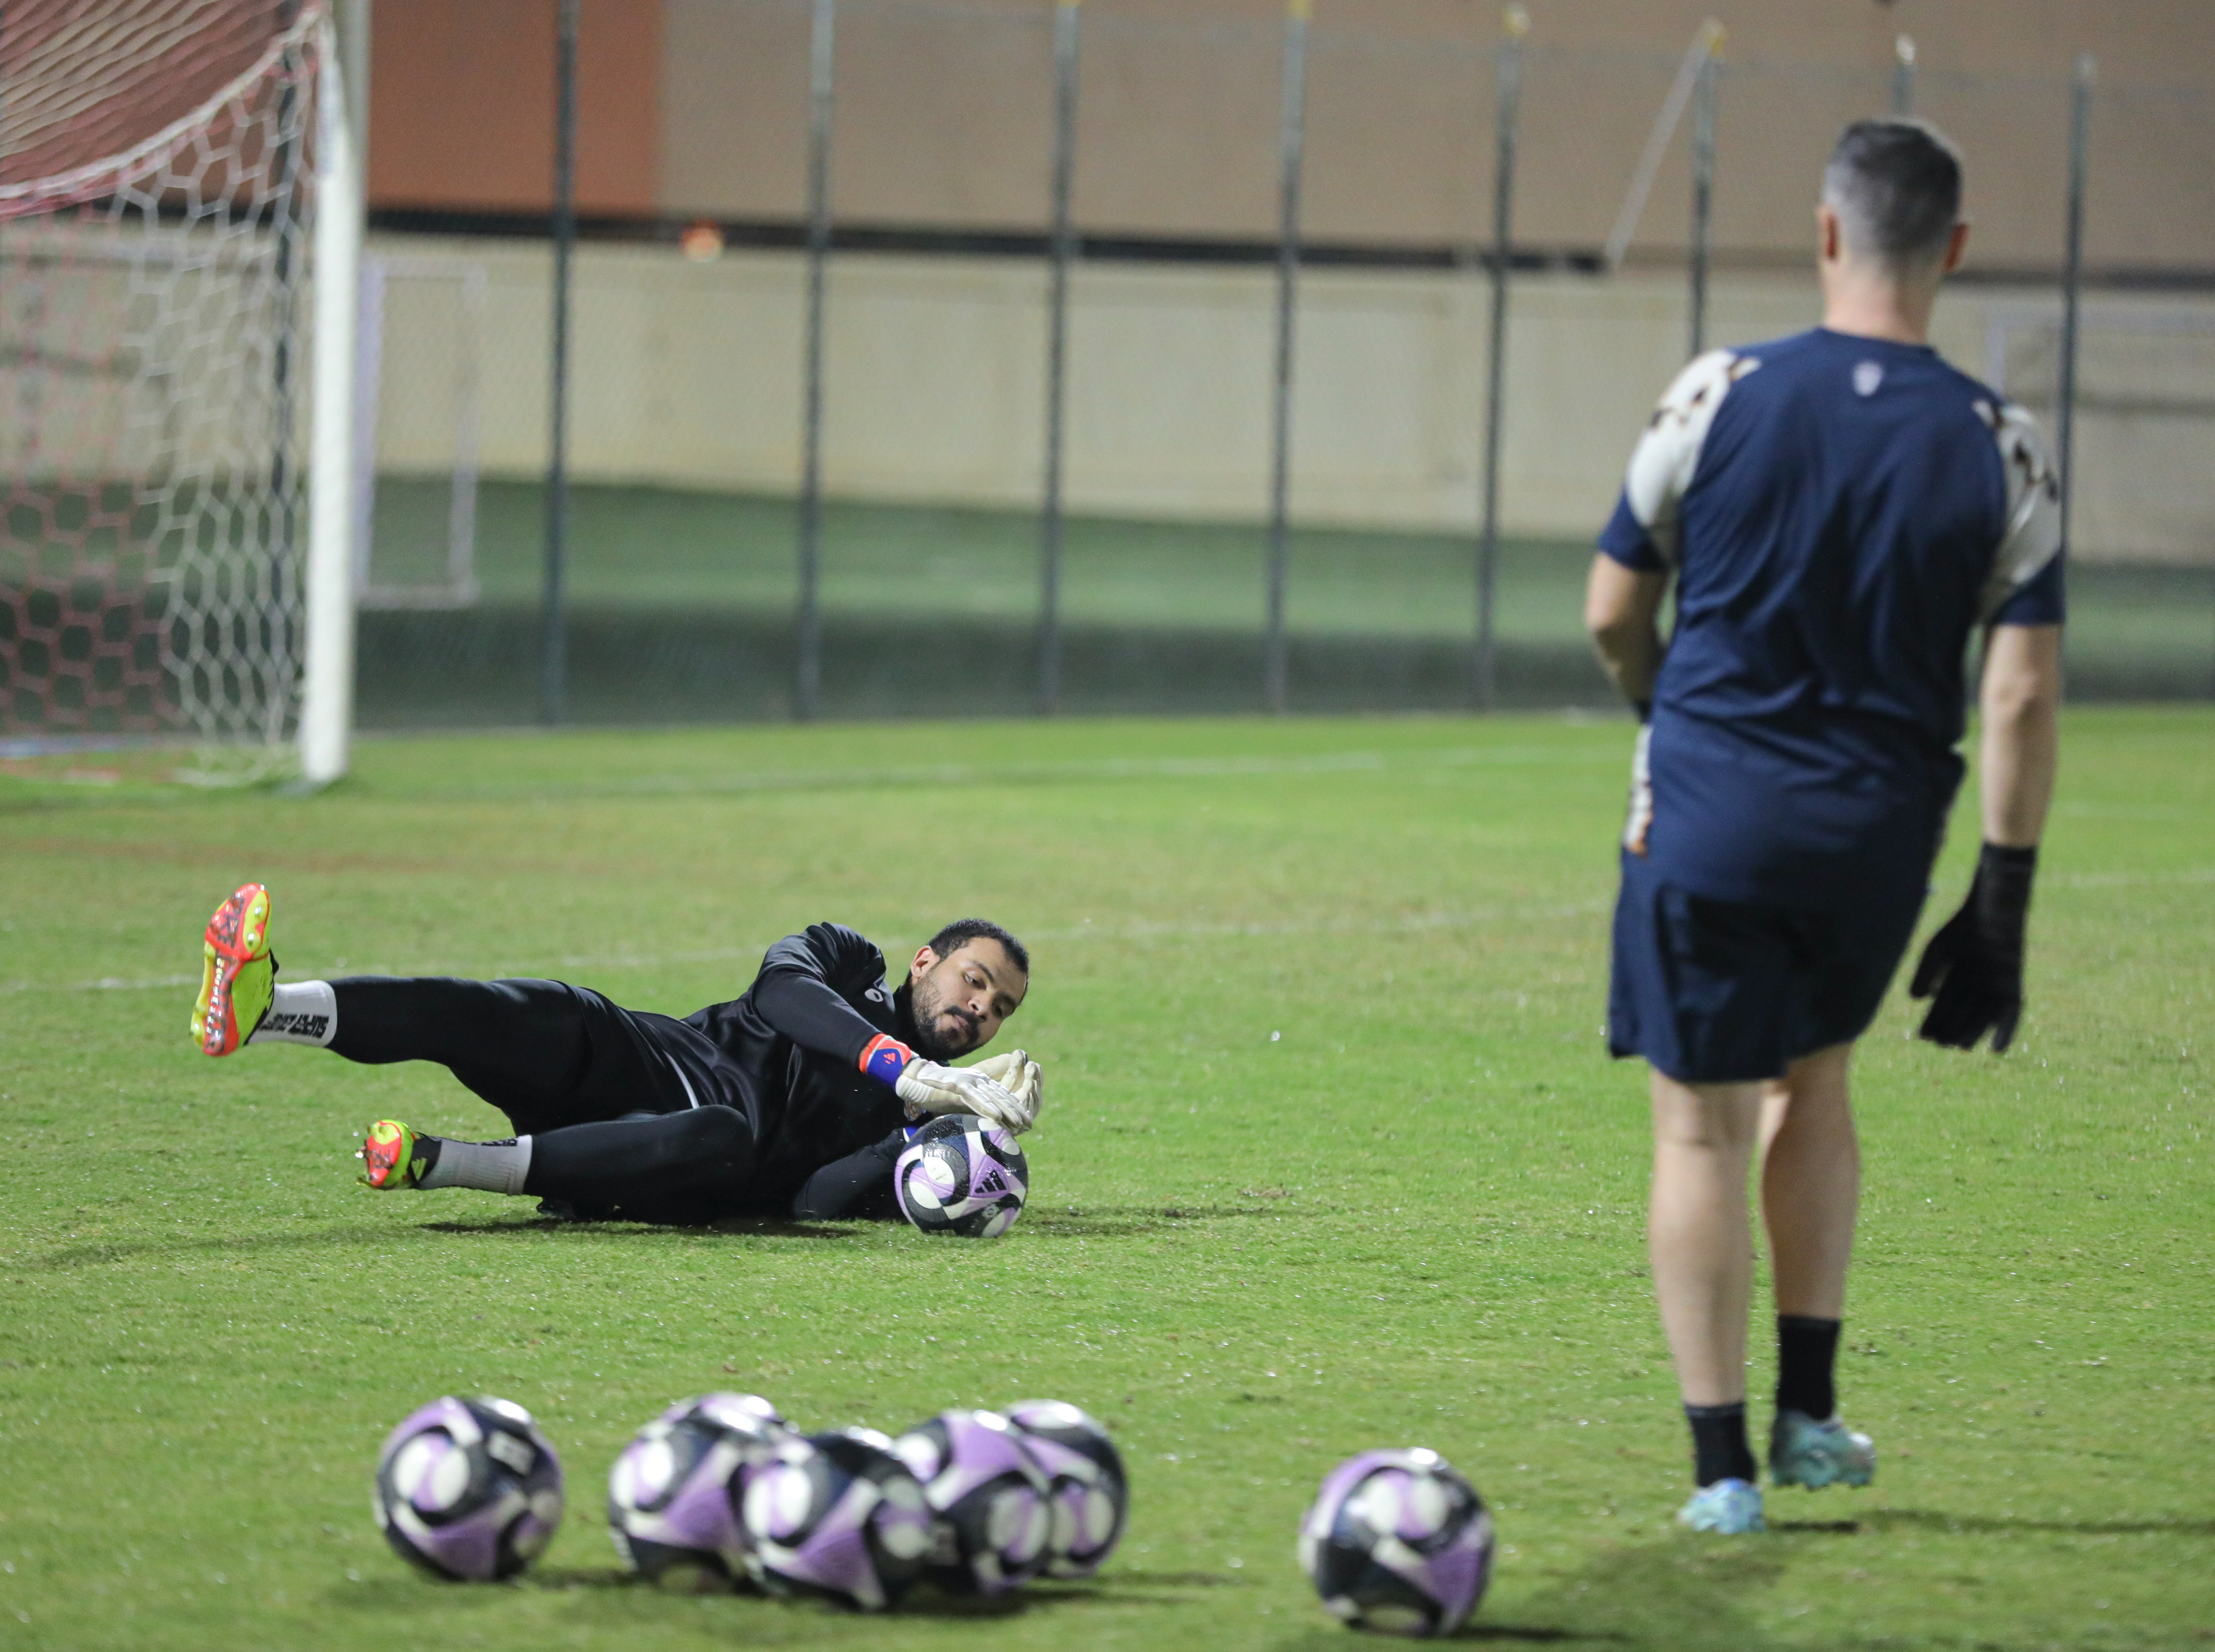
x=237, y=974
x=387, y=1155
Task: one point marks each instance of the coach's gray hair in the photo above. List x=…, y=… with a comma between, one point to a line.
x=1896, y=187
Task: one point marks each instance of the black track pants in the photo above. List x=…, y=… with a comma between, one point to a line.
x=661, y=1167
x=627, y=1110
x=858, y=1185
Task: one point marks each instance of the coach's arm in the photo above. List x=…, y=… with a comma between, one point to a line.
x=2020, y=743
x=1623, y=606
x=1972, y=969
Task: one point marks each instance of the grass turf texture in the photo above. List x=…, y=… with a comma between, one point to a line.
x=1413, y=1217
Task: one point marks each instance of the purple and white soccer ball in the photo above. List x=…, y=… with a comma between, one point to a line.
x=1398, y=1541
x=467, y=1488
x=994, y=1506
x=960, y=1174
x=836, y=1516
x=673, y=1495
x=1089, y=1489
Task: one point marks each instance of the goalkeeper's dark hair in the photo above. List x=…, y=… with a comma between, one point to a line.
x=960, y=929
x=1896, y=186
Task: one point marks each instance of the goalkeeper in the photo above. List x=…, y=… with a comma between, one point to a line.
x=791, y=1099
x=1841, y=511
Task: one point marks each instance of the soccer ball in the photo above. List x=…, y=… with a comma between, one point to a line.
x=961, y=1174
x=1090, y=1493
x=467, y=1488
x=674, y=1493
x=1398, y=1541
x=838, y=1516
x=994, y=1507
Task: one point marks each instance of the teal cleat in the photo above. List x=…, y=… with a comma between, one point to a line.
x=1727, y=1507
x=1805, y=1452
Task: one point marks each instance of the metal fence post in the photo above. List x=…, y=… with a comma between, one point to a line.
x=807, y=686
x=2072, y=280
x=1291, y=136
x=1063, y=250
x=284, y=433
x=1515, y=23
x=554, y=657
x=1703, y=189
x=1903, y=76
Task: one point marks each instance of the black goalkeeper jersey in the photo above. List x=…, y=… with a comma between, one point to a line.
x=793, y=1045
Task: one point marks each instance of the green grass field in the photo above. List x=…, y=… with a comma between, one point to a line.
x=1332, y=1157
x=2134, y=632
x=666, y=547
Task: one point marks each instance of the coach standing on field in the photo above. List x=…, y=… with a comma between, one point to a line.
x=1841, y=511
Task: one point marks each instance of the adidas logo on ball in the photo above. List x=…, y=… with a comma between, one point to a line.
x=961, y=1174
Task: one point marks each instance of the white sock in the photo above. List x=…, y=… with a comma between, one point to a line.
x=300, y=1012
x=489, y=1166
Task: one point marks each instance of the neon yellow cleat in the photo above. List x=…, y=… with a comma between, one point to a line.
x=388, y=1159
x=238, y=975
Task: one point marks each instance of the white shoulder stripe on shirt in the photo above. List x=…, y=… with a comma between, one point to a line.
x=1663, y=463
x=2032, y=538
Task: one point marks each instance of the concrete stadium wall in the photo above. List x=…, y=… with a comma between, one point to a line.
x=943, y=117
x=943, y=114
x=689, y=375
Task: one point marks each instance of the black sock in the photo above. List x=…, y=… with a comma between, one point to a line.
x=1807, y=1350
x=1719, y=1447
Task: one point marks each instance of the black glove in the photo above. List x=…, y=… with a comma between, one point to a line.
x=1971, y=970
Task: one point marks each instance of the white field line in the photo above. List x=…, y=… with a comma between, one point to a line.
x=2121, y=879
x=1406, y=924
x=1410, y=924
x=966, y=774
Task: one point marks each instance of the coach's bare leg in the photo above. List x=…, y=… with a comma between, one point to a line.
x=1699, y=1236
x=1810, y=1183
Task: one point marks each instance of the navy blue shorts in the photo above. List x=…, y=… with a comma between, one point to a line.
x=1721, y=991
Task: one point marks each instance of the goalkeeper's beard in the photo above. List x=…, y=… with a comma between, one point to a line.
x=927, y=1012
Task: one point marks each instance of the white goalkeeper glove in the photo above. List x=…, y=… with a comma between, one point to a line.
x=927, y=1087
x=1018, y=1074
x=1638, y=819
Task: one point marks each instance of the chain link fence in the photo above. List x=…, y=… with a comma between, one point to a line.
x=1002, y=523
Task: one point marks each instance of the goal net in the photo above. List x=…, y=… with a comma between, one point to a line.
x=417, y=388
x=156, y=176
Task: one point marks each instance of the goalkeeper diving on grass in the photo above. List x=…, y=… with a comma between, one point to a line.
x=793, y=1099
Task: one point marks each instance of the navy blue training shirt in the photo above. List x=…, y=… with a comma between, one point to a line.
x=1841, y=514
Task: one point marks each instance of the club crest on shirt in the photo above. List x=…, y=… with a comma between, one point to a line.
x=1866, y=377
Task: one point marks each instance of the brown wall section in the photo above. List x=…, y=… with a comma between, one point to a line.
x=461, y=105
x=942, y=116
x=700, y=107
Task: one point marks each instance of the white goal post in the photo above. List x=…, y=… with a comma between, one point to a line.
x=181, y=214
x=327, y=693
